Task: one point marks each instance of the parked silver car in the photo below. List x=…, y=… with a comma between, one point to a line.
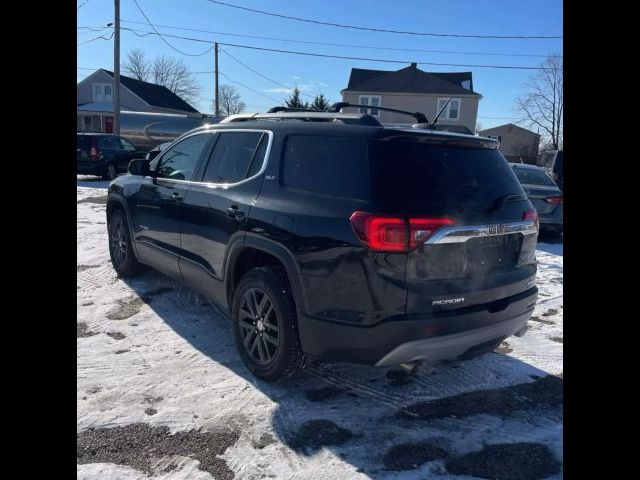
x=545, y=195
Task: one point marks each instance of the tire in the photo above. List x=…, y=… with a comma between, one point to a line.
x=121, y=251
x=111, y=172
x=258, y=324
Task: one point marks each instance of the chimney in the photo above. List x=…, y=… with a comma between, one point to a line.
x=414, y=65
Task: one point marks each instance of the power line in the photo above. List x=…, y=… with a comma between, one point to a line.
x=96, y=38
x=343, y=57
x=163, y=39
x=82, y=4
x=249, y=88
x=370, y=29
x=349, y=45
x=262, y=75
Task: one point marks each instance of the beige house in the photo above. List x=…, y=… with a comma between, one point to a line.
x=517, y=144
x=94, y=99
x=417, y=91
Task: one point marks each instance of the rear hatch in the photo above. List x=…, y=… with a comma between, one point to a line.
x=475, y=235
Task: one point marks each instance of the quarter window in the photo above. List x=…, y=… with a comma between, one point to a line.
x=328, y=165
x=180, y=161
x=236, y=156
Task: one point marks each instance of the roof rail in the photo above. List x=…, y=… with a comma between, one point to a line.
x=420, y=117
x=291, y=109
x=306, y=116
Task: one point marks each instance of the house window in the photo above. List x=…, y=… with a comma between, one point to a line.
x=102, y=93
x=371, y=100
x=452, y=112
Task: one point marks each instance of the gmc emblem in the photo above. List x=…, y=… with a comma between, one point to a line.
x=495, y=230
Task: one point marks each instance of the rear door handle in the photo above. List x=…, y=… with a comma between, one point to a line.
x=176, y=197
x=233, y=212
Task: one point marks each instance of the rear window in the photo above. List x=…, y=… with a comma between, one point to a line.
x=419, y=172
x=324, y=164
x=530, y=176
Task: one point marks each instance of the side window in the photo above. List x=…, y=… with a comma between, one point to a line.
x=108, y=142
x=181, y=160
x=330, y=165
x=127, y=145
x=233, y=156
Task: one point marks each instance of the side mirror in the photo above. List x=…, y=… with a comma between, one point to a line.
x=139, y=166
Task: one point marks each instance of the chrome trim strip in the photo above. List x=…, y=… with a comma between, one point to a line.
x=265, y=161
x=462, y=233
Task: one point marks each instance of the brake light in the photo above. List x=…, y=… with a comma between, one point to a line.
x=393, y=233
x=554, y=200
x=532, y=215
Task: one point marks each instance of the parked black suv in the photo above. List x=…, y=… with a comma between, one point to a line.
x=331, y=237
x=104, y=154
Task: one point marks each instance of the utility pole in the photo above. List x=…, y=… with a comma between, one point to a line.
x=116, y=69
x=217, y=91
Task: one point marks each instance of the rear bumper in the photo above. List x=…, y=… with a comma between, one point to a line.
x=433, y=337
x=433, y=350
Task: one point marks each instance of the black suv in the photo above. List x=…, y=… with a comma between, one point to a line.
x=104, y=154
x=328, y=236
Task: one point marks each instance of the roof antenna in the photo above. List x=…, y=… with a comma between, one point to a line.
x=435, y=120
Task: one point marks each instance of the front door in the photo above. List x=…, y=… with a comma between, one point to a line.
x=217, y=208
x=157, y=215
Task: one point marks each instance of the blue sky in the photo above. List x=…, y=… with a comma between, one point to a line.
x=313, y=74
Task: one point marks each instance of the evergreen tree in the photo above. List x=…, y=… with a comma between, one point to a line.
x=320, y=102
x=294, y=100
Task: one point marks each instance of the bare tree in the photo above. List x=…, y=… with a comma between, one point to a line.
x=479, y=127
x=542, y=105
x=170, y=72
x=136, y=65
x=230, y=102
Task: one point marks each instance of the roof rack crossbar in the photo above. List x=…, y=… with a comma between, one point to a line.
x=420, y=117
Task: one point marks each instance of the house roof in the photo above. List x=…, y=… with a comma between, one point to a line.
x=155, y=95
x=410, y=80
x=510, y=129
x=95, y=107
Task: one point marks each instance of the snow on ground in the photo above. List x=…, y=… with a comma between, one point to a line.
x=154, y=359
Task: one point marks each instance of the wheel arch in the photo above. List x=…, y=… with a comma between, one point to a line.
x=254, y=251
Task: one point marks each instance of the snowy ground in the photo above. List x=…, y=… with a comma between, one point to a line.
x=162, y=393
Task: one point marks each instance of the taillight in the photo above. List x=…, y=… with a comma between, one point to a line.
x=94, y=152
x=554, y=200
x=394, y=234
x=532, y=215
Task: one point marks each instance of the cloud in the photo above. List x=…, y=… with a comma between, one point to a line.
x=279, y=90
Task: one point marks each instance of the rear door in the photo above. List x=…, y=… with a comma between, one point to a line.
x=158, y=203
x=488, y=250
x=216, y=208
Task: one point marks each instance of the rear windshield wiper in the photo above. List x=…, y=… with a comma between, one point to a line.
x=500, y=202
